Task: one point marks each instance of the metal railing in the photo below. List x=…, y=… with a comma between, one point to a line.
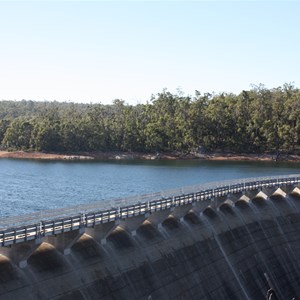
x=33, y=226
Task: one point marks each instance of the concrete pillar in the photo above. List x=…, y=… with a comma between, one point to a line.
x=262, y=194
x=226, y=202
x=218, y=200
x=203, y=204
x=269, y=190
x=64, y=241
x=279, y=192
x=251, y=194
x=131, y=224
x=157, y=217
x=288, y=189
x=200, y=206
x=234, y=197
x=100, y=232
x=296, y=191
x=19, y=253
x=245, y=198
x=180, y=211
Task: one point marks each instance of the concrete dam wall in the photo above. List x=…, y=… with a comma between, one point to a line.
x=237, y=250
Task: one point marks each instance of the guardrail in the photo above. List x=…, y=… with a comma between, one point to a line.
x=17, y=230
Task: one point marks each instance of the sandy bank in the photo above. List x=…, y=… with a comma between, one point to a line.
x=135, y=155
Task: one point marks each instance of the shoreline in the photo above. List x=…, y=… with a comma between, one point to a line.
x=142, y=156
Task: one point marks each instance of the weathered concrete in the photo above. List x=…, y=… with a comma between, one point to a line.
x=19, y=253
x=100, y=232
x=223, y=253
x=64, y=242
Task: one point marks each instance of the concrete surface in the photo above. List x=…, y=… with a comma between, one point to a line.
x=234, y=252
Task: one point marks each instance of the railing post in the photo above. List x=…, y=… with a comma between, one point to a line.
x=82, y=220
x=40, y=229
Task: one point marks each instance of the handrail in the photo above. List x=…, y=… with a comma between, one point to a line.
x=51, y=222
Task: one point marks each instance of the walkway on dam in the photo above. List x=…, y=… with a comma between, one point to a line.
x=53, y=222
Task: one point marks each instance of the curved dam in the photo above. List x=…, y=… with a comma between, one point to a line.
x=239, y=246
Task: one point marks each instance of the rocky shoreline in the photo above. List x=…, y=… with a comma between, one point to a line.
x=143, y=156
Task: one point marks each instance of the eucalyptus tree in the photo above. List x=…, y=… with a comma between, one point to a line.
x=221, y=126
x=4, y=124
x=18, y=135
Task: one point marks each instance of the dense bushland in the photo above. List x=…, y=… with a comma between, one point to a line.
x=259, y=120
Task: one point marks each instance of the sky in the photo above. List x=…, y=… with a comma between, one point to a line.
x=98, y=51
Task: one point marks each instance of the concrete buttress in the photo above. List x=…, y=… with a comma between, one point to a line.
x=19, y=253
x=64, y=242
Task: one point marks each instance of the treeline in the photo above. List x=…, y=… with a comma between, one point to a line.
x=259, y=120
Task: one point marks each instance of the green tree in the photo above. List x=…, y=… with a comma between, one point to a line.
x=18, y=135
x=4, y=124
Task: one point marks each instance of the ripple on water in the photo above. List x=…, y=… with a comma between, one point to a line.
x=29, y=186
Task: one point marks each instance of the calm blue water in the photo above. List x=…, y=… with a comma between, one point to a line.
x=28, y=186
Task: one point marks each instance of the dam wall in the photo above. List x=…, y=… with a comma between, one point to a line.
x=237, y=249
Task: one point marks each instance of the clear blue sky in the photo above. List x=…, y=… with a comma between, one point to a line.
x=98, y=51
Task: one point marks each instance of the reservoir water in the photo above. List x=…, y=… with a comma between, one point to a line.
x=28, y=186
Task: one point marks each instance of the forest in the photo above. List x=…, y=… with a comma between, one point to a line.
x=258, y=120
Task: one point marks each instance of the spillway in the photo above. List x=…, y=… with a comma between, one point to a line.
x=240, y=249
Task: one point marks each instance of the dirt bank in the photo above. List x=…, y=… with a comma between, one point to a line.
x=136, y=155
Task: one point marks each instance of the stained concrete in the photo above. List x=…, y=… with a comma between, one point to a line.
x=224, y=253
